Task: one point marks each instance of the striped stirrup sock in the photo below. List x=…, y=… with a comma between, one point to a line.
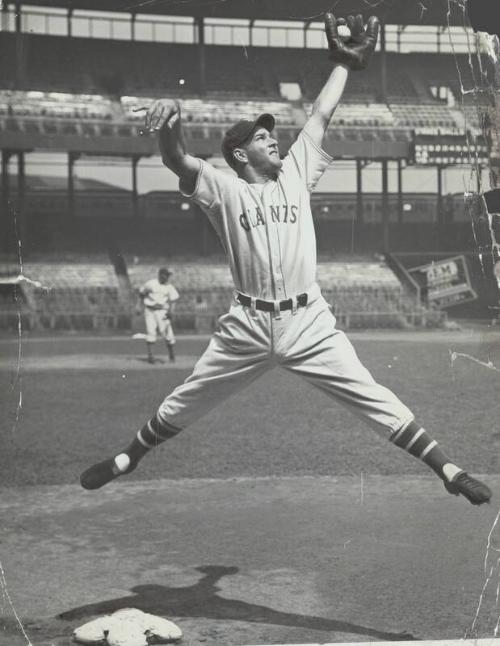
x=415, y=440
x=155, y=432
x=151, y=435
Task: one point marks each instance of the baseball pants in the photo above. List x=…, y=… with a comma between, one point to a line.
x=156, y=320
x=305, y=342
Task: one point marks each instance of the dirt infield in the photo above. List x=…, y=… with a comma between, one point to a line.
x=250, y=561
x=96, y=361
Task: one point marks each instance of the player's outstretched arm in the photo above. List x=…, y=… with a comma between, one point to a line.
x=352, y=54
x=324, y=106
x=164, y=116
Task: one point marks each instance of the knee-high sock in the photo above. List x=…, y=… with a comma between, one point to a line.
x=415, y=439
x=151, y=435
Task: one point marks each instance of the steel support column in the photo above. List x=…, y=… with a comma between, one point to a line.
x=69, y=24
x=439, y=208
x=19, y=62
x=383, y=65
x=201, y=55
x=135, y=197
x=400, y=191
x=21, y=199
x=133, y=17
x=385, y=207
x=359, y=192
x=6, y=221
x=72, y=157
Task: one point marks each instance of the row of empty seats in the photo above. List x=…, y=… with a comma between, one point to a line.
x=469, y=117
x=424, y=115
x=353, y=305
x=77, y=295
x=352, y=121
x=185, y=275
x=211, y=111
x=71, y=276
x=70, y=64
x=78, y=300
x=33, y=103
x=78, y=277
x=67, y=127
x=360, y=114
x=205, y=276
x=97, y=107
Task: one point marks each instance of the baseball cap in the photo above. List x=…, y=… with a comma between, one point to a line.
x=241, y=131
x=164, y=271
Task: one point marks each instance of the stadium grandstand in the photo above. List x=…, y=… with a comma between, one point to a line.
x=81, y=186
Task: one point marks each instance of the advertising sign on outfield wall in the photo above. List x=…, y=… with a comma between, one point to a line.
x=445, y=282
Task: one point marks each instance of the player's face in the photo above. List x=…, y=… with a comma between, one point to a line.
x=263, y=153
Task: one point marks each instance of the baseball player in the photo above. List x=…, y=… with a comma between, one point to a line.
x=158, y=296
x=279, y=317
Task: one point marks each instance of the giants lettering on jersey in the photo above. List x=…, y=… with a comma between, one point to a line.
x=254, y=217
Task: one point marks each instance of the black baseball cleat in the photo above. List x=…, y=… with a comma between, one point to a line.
x=474, y=490
x=103, y=472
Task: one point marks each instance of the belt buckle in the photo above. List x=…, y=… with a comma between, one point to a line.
x=294, y=300
x=277, y=310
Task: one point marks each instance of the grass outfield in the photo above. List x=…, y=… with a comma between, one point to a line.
x=278, y=426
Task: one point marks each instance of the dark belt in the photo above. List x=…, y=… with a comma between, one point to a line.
x=268, y=306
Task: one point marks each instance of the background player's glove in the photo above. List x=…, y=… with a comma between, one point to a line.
x=357, y=51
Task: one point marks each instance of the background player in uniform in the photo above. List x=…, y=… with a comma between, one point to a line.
x=158, y=296
x=279, y=317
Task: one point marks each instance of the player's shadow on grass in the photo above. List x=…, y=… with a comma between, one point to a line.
x=202, y=600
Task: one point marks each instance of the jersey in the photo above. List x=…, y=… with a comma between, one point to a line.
x=268, y=233
x=267, y=230
x=159, y=295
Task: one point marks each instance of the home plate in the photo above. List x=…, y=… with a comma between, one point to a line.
x=439, y=642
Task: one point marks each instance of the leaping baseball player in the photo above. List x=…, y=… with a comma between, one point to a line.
x=159, y=296
x=279, y=317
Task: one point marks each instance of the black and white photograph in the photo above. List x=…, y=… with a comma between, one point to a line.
x=249, y=322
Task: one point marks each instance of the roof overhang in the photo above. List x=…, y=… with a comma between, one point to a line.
x=400, y=12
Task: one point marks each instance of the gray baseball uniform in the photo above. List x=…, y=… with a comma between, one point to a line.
x=268, y=233
x=157, y=300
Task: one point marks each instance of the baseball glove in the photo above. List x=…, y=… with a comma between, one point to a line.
x=357, y=51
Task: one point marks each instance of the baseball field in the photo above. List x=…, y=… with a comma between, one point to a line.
x=279, y=518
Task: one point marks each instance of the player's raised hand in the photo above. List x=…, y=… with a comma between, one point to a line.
x=164, y=112
x=356, y=52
